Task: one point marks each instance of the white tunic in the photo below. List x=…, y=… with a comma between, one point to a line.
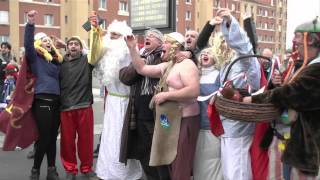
x=108, y=165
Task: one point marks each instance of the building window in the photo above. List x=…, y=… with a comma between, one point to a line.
x=4, y=38
x=233, y=7
x=102, y=4
x=177, y=15
x=4, y=17
x=25, y=17
x=48, y=20
x=188, y=1
x=66, y=19
x=266, y=13
x=188, y=15
x=48, y=1
x=123, y=6
x=103, y=24
x=217, y=4
x=265, y=25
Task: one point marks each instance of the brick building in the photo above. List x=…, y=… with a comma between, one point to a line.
x=64, y=18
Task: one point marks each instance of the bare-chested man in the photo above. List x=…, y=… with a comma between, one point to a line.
x=183, y=87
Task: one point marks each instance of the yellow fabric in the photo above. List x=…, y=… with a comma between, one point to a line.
x=46, y=54
x=95, y=45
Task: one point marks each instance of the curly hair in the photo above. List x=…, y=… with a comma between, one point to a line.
x=175, y=45
x=223, y=54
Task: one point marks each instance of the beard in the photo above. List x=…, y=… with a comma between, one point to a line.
x=113, y=59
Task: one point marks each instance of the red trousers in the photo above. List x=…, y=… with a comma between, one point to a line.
x=77, y=126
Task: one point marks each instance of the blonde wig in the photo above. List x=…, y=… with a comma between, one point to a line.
x=222, y=52
x=175, y=45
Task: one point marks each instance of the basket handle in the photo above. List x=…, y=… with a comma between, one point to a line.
x=242, y=57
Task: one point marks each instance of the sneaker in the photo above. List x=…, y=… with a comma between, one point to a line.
x=70, y=176
x=52, y=174
x=91, y=175
x=35, y=174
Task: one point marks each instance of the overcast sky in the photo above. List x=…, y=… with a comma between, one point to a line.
x=300, y=11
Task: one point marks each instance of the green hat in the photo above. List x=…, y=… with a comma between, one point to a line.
x=311, y=27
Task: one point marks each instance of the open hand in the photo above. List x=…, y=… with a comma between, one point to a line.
x=31, y=16
x=58, y=43
x=131, y=41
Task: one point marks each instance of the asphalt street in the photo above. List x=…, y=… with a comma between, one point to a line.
x=14, y=165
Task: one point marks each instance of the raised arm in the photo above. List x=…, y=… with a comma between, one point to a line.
x=96, y=46
x=29, y=37
x=205, y=33
x=139, y=63
x=234, y=35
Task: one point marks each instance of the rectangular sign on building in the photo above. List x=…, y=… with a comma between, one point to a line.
x=160, y=14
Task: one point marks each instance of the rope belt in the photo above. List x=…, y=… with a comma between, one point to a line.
x=118, y=95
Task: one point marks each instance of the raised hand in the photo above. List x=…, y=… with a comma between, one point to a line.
x=224, y=14
x=131, y=41
x=58, y=43
x=93, y=18
x=31, y=16
x=216, y=20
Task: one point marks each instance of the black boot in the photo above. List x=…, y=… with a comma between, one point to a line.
x=35, y=174
x=52, y=173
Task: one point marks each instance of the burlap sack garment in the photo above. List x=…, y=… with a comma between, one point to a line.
x=167, y=127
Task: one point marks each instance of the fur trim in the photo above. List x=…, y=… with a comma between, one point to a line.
x=42, y=51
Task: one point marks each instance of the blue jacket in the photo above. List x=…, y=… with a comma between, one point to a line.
x=46, y=73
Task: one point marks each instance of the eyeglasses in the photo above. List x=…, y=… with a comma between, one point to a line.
x=75, y=43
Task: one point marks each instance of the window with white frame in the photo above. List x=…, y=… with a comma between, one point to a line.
x=188, y=15
x=4, y=17
x=103, y=24
x=217, y=4
x=102, y=4
x=4, y=38
x=177, y=15
x=25, y=17
x=48, y=20
x=188, y=1
x=123, y=6
x=233, y=7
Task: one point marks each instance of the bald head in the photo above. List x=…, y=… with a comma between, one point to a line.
x=191, y=38
x=267, y=53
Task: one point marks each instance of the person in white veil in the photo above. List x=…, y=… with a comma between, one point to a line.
x=114, y=55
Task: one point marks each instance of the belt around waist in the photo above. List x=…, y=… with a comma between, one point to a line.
x=118, y=95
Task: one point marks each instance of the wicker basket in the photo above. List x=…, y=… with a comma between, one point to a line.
x=244, y=111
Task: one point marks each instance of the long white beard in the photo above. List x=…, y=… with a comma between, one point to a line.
x=115, y=57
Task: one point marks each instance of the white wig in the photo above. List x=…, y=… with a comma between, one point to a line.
x=120, y=27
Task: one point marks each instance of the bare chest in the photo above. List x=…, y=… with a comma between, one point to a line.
x=174, y=79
